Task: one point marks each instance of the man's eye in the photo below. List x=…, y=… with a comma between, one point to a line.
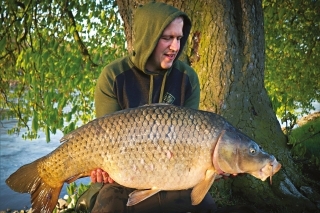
x=167, y=38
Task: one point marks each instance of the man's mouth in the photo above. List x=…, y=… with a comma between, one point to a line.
x=170, y=56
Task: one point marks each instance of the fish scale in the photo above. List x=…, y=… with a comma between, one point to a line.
x=149, y=148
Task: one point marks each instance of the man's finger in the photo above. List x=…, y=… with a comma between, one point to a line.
x=99, y=176
x=110, y=180
x=105, y=177
x=93, y=176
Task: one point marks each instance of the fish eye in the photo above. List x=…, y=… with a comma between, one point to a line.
x=253, y=149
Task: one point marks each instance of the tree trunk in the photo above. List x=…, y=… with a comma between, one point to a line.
x=226, y=48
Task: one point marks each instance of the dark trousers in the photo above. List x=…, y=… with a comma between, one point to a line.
x=113, y=198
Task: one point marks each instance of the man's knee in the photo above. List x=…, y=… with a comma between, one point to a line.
x=112, y=198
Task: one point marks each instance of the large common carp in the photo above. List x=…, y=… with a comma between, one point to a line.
x=150, y=148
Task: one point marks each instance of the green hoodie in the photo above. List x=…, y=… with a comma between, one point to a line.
x=125, y=83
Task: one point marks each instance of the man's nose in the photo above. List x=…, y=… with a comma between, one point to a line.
x=175, y=45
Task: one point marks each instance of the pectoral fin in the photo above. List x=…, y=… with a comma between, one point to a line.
x=201, y=189
x=139, y=195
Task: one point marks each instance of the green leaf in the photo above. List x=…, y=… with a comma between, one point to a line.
x=47, y=132
x=3, y=43
x=69, y=117
x=103, y=15
x=34, y=125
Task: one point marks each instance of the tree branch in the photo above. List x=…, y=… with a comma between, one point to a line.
x=83, y=49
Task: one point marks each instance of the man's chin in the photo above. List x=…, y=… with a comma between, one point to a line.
x=166, y=66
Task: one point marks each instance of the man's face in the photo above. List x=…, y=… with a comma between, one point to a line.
x=167, y=48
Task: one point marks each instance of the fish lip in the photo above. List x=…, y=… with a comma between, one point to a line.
x=268, y=170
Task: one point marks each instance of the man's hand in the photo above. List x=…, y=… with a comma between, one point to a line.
x=100, y=176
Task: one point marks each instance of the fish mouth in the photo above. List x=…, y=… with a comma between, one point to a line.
x=267, y=171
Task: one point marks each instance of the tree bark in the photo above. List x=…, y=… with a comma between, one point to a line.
x=226, y=48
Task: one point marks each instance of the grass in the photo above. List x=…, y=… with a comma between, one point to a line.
x=306, y=141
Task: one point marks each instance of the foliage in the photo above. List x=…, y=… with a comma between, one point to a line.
x=51, y=54
x=292, y=39
x=74, y=191
x=305, y=141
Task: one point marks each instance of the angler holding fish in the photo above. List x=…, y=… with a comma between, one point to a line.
x=150, y=157
x=152, y=74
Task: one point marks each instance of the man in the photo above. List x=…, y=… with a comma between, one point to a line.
x=151, y=74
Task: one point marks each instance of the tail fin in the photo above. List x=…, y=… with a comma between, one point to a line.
x=26, y=180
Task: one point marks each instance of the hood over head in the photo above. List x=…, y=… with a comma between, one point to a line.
x=150, y=20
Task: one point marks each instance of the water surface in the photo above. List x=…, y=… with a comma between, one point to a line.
x=15, y=152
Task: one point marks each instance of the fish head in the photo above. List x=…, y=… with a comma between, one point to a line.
x=236, y=153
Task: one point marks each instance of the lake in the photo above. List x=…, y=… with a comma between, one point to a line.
x=15, y=152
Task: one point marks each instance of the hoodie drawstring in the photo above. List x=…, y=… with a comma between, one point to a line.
x=162, y=88
x=150, y=89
